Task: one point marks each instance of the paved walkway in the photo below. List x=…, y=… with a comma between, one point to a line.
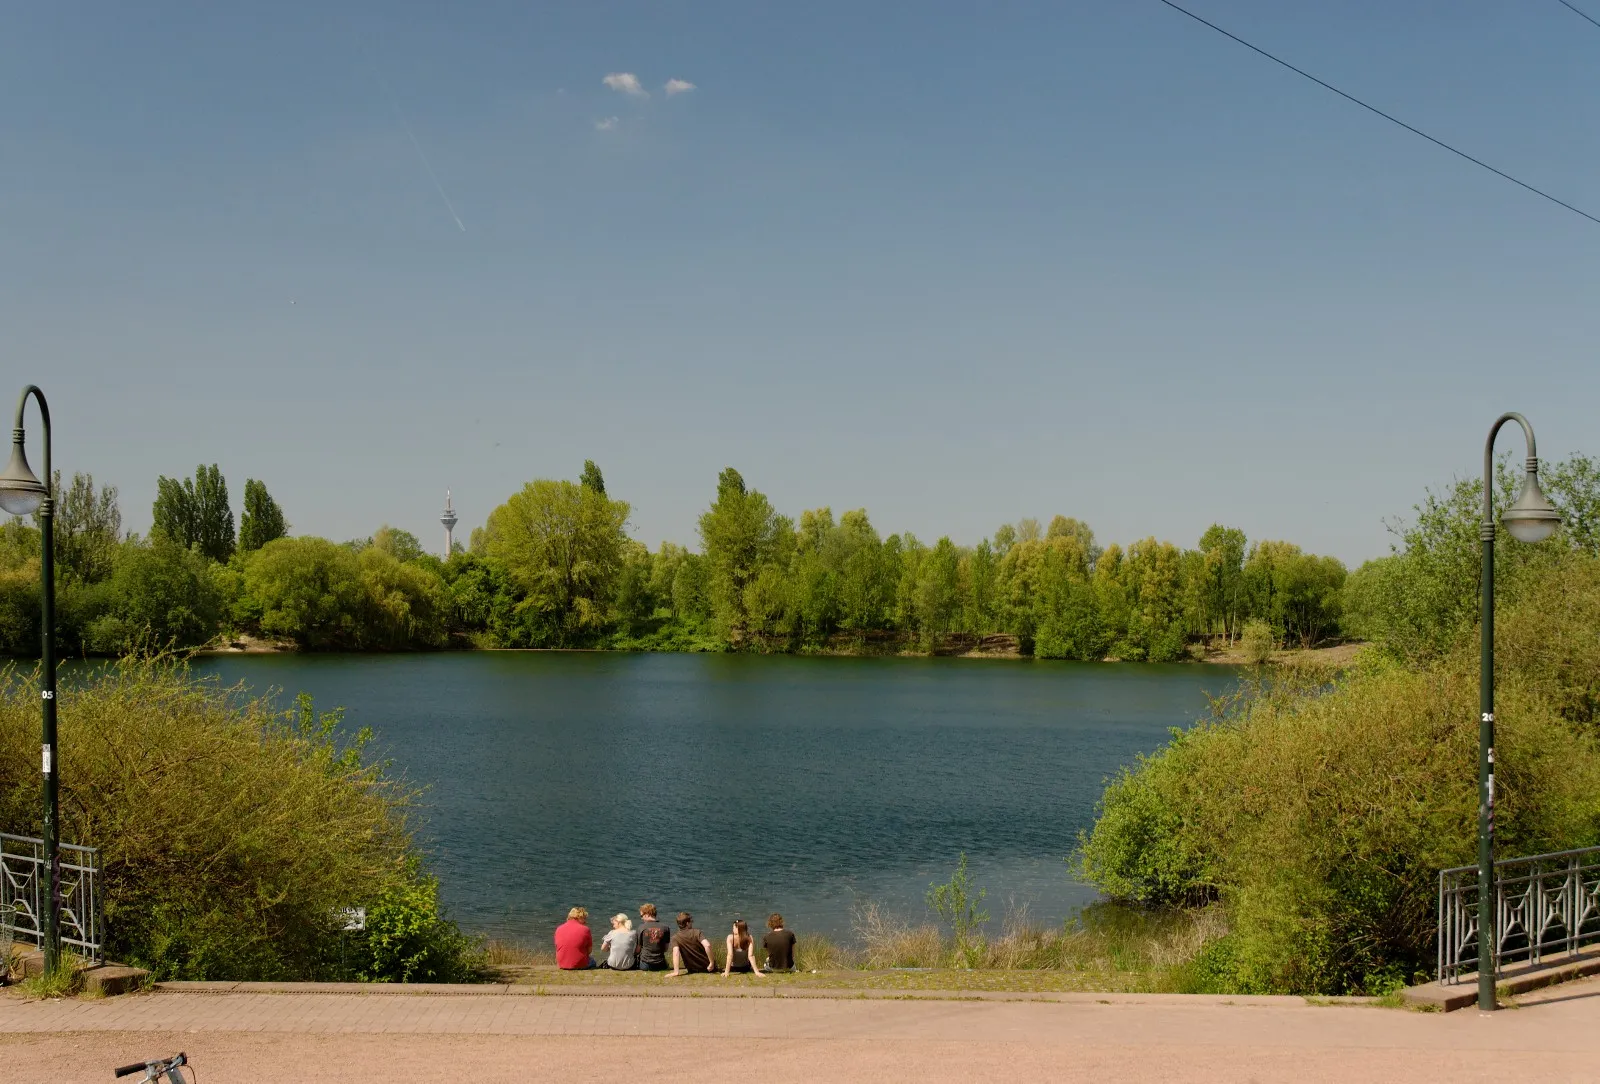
x=354, y=1038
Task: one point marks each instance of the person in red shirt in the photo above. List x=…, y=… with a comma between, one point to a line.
x=574, y=942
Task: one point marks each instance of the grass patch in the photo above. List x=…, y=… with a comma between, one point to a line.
x=1106, y=948
x=62, y=982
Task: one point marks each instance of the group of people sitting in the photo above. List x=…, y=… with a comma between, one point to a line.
x=652, y=946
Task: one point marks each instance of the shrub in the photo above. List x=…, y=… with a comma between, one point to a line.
x=230, y=833
x=408, y=939
x=1320, y=811
x=960, y=903
x=1257, y=642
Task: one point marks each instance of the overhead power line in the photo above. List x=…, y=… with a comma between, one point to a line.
x=1386, y=116
x=1579, y=12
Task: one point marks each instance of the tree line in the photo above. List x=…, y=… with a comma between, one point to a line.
x=554, y=566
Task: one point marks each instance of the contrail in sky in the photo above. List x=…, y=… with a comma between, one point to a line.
x=405, y=122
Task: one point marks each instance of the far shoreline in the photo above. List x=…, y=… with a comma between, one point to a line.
x=1332, y=656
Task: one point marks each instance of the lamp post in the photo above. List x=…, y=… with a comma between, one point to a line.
x=21, y=493
x=1531, y=518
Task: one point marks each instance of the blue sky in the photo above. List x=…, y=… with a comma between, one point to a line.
x=957, y=264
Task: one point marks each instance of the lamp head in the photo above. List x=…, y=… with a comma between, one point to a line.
x=21, y=492
x=1532, y=518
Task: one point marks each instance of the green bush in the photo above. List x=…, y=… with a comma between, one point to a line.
x=1257, y=642
x=1321, y=809
x=231, y=834
x=408, y=939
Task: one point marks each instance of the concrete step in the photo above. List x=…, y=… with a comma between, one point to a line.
x=1437, y=997
x=106, y=980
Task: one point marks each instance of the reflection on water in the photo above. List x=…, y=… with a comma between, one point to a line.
x=737, y=785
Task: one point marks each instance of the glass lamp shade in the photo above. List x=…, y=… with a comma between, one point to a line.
x=21, y=492
x=20, y=504
x=1533, y=518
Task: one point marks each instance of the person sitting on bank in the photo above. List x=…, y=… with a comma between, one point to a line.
x=574, y=942
x=779, y=944
x=741, y=956
x=620, y=944
x=690, y=949
x=654, y=940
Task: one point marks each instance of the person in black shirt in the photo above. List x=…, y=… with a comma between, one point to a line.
x=779, y=944
x=655, y=940
x=691, y=950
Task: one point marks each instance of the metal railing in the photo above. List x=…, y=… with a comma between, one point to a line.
x=23, y=887
x=1546, y=905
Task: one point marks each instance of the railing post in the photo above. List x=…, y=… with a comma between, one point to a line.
x=1442, y=924
x=1573, y=895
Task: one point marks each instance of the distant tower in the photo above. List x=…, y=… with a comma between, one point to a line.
x=448, y=518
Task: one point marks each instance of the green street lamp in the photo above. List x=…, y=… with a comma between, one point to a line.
x=21, y=494
x=1532, y=518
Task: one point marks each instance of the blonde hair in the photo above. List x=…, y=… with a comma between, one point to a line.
x=581, y=914
x=620, y=919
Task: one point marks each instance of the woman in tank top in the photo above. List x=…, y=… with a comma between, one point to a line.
x=740, y=957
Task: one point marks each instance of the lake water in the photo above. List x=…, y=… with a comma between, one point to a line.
x=737, y=785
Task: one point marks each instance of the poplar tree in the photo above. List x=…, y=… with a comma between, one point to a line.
x=194, y=512
x=262, y=519
x=739, y=534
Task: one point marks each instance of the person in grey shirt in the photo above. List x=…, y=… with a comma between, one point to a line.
x=621, y=943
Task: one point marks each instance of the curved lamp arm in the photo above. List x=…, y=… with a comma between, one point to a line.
x=44, y=416
x=1488, y=462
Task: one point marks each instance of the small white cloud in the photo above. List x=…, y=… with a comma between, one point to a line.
x=607, y=124
x=678, y=86
x=626, y=83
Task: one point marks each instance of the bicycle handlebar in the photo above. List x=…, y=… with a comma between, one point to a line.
x=160, y=1066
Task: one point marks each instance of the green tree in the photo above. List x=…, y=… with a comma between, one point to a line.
x=866, y=586
x=1079, y=532
x=562, y=544
x=307, y=590
x=691, y=589
x=591, y=478
x=401, y=545
x=161, y=594
x=194, y=513
x=482, y=600
x=741, y=536
x=938, y=600
x=1309, y=596
x=1112, y=604
x=88, y=528
x=1573, y=484
x=405, y=604
x=1224, y=595
x=817, y=575
x=262, y=520
x=979, y=572
x=1152, y=572
x=1067, y=619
